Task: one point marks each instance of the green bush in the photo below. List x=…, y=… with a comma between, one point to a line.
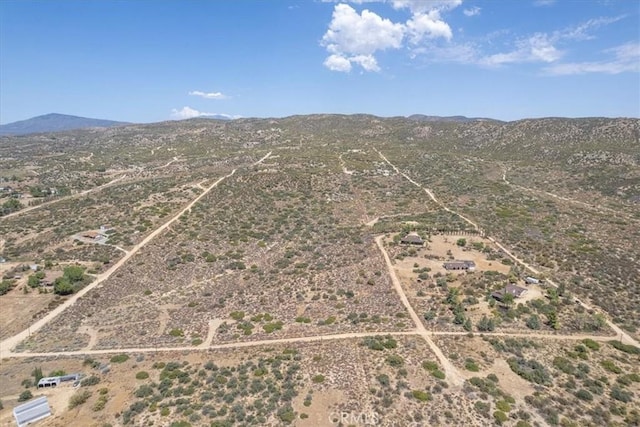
x=583, y=394
x=318, y=379
x=420, y=395
x=438, y=374
x=89, y=381
x=500, y=417
x=120, y=358
x=25, y=395
x=503, y=406
x=395, y=360
x=591, y=344
x=79, y=398
x=142, y=375
x=627, y=348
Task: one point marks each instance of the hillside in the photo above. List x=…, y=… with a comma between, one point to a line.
x=54, y=123
x=287, y=271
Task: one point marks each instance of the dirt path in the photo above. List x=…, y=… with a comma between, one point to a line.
x=344, y=166
x=452, y=374
x=9, y=343
x=214, y=324
x=244, y=344
x=623, y=335
x=600, y=209
x=59, y=199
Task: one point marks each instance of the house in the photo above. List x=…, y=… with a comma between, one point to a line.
x=460, y=265
x=105, y=228
x=32, y=411
x=531, y=280
x=49, y=382
x=412, y=239
x=33, y=267
x=512, y=289
x=92, y=235
x=50, y=277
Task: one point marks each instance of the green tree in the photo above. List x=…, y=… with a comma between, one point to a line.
x=33, y=281
x=62, y=286
x=467, y=325
x=486, y=324
x=533, y=322
x=37, y=375
x=507, y=299
x=461, y=242
x=9, y=206
x=552, y=319
x=74, y=273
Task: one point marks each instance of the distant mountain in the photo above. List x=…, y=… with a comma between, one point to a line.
x=54, y=123
x=458, y=119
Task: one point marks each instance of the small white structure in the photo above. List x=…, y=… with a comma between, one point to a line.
x=49, y=382
x=32, y=411
x=531, y=280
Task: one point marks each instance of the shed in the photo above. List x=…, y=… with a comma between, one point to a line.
x=531, y=280
x=32, y=411
x=412, y=239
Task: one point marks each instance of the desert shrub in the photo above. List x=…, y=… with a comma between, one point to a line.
x=583, y=394
x=622, y=395
x=89, y=381
x=79, y=398
x=627, y=348
x=438, y=374
x=471, y=365
x=500, y=417
x=593, y=345
x=395, y=360
x=503, y=406
x=611, y=367
x=24, y=396
x=420, y=395
x=530, y=370
x=318, y=379
x=120, y=358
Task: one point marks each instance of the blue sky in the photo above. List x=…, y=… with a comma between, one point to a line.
x=147, y=61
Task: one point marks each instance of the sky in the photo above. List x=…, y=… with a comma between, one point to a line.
x=148, y=61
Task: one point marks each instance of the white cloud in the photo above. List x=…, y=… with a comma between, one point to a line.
x=422, y=6
x=626, y=58
x=427, y=25
x=337, y=63
x=208, y=95
x=368, y=62
x=364, y=34
x=472, y=11
x=190, y=113
x=354, y=39
x=536, y=48
x=544, y=2
x=580, y=32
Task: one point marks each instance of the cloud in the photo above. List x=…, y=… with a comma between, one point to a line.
x=208, y=95
x=540, y=3
x=536, y=48
x=427, y=25
x=337, y=63
x=626, y=58
x=362, y=34
x=190, y=113
x=472, y=11
x=422, y=6
x=354, y=38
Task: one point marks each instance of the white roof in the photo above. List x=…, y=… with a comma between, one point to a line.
x=32, y=411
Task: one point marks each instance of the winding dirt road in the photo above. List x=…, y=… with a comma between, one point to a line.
x=451, y=372
x=9, y=343
x=59, y=199
x=620, y=333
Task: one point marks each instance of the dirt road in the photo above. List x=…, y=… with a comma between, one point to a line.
x=452, y=374
x=9, y=343
x=59, y=199
x=620, y=333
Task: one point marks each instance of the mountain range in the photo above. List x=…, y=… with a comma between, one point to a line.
x=54, y=123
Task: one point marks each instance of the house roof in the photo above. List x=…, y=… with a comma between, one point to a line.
x=412, y=238
x=32, y=411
